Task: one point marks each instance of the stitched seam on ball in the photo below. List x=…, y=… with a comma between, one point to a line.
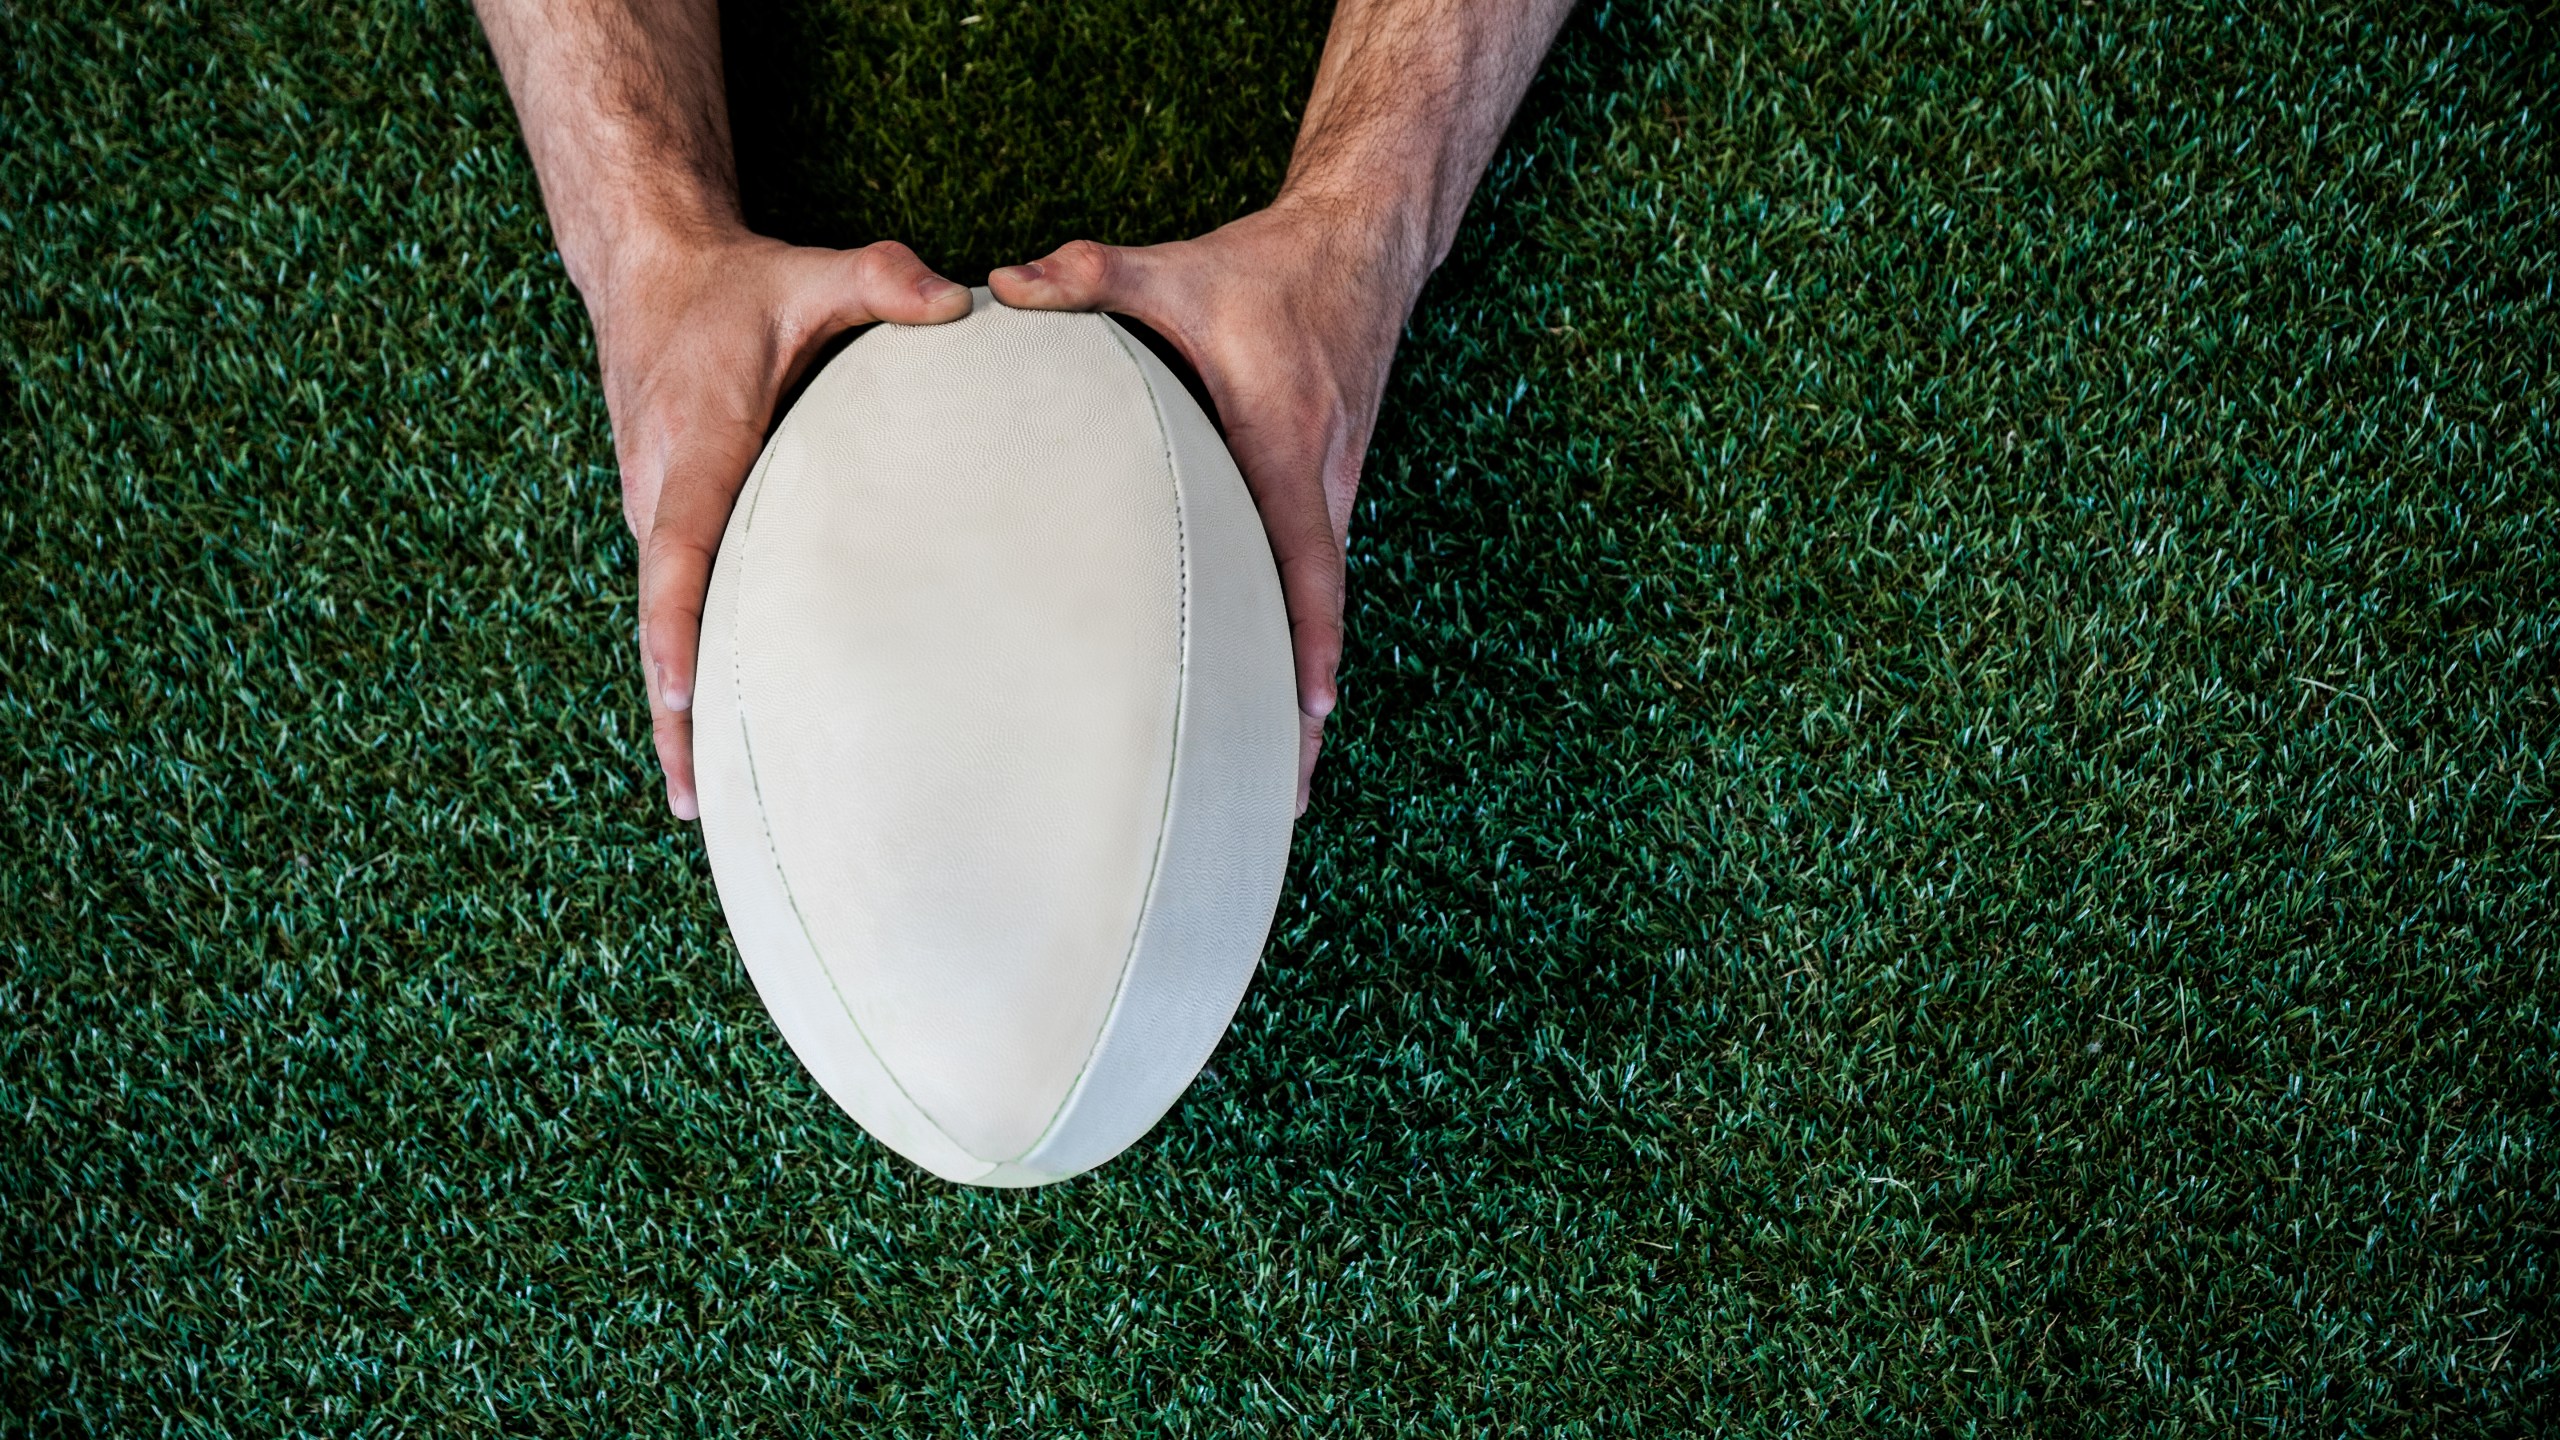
x=782, y=877
x=1173, y=751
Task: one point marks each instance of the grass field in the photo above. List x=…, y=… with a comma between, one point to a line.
x=1945, y=823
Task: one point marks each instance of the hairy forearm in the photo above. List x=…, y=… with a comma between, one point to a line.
x=1409, y=102
x=626, y=119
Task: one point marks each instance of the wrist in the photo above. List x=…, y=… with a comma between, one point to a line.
x=611, y=260
x=1375, y=245
x=642, y=267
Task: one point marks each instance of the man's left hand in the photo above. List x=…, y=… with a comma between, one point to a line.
x=1291, y=322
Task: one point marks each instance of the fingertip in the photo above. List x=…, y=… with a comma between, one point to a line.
x=683, y=804
x=1019, y=285
x=1310, y=746
x=944, y=299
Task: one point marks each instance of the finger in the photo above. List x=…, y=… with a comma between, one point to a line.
x=1300, y=526
x=1310, y=741
x=832, y=291
x=1311, y=588
x=669, y=635
x=675, y=575
x=1079, y=275
x=890, y=283
x=672, y=732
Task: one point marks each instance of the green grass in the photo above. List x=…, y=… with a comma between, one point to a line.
x=1945, y=823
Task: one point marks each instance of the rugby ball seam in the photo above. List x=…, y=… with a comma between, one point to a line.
x=1172, y=751
x=782, y=875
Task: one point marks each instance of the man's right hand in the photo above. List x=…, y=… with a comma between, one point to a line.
x=701, y=326
x=699, y=342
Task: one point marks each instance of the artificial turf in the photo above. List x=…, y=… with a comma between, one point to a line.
x=1944, y=823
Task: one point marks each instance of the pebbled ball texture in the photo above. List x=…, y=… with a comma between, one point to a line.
x=996, y=738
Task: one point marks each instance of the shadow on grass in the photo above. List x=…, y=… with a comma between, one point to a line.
x=986, y=137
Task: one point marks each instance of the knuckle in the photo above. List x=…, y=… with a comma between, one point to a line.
x=881, y=265
x=1089, y=260
x=1318, y=642
x=672, y=625
x=874, y=265
x=1316, y=562
x=676, y=544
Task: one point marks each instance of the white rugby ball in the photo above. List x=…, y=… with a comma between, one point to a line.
x=996, y=739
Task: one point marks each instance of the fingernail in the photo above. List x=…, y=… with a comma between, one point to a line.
x=934, y=287
x=1031, y=271
x=685, y=807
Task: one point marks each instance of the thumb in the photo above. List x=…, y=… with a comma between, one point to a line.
x=828, y=292
x=885, y=281
x=1079, y=275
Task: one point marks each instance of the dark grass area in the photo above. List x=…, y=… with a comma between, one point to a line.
x=1945, y=822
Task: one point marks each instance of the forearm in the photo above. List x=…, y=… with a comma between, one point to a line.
x=627, y=121
x=1410, y=99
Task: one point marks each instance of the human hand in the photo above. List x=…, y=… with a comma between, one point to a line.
x=1291, y=320
x=699, y=342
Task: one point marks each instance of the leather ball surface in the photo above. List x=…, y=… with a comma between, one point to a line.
x=996, y=737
